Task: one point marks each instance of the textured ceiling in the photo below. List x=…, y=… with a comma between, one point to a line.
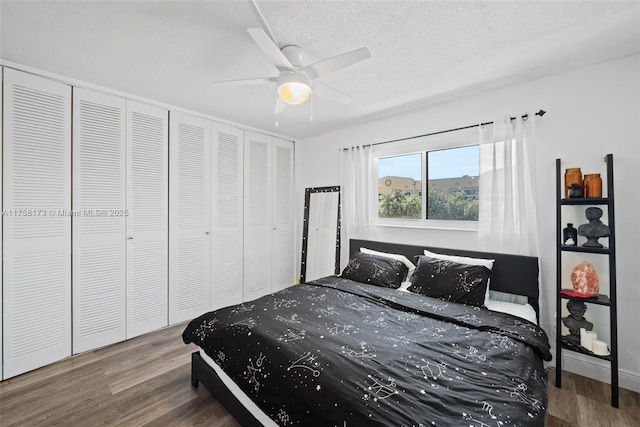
x=422, y=51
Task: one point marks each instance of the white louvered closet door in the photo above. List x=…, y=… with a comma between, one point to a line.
x=257, y=215
x=98, y=224
x=147, y=222
x=226, y=216
x=283, y=273
x=37, y=234
x=189, y=217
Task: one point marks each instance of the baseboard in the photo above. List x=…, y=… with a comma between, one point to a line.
x=598, y=370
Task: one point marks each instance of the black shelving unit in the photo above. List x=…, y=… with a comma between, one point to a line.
x=562, y=343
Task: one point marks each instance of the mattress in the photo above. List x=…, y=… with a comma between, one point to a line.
x=238, y=393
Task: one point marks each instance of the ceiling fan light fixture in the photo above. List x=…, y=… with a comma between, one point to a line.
x=293, y=89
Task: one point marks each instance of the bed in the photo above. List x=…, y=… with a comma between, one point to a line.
x=361, y=349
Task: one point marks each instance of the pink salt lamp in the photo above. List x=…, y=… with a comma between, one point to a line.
x=585, y=279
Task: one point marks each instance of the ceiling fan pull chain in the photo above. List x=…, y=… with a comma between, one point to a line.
x=311, y=114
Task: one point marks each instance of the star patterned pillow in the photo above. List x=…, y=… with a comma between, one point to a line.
x=450, y=281
x=375, y=270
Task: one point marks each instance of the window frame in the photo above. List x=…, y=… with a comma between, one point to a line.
x=422, y=145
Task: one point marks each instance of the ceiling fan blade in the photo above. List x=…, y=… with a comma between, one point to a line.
x=329, y=65
x=270, y=49
x=280, y=106
x=330, y=93
x=257, y=81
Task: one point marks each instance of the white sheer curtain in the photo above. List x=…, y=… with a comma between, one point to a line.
x=359, y=202
x=507, y=218
x=507, y=212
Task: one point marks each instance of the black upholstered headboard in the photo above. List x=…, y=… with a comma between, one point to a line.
x=513, y=274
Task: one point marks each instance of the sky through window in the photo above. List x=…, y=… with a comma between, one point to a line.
x=448, y=163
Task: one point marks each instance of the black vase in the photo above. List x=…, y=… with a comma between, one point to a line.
x=570, y=236
x=575, y=191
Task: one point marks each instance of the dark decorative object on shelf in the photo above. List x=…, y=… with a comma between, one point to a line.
x=575, y=191
x=572, y=176
x=575, y=320
x=570, y=235
x=595, y=229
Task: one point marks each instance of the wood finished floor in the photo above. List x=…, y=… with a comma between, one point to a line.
x=146, y=382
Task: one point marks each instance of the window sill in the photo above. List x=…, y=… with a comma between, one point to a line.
x=471, y=226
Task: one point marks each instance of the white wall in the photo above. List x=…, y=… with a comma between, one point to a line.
x=592, y=111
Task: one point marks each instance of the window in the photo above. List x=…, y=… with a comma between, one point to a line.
x=399, y=186
x=452, y=177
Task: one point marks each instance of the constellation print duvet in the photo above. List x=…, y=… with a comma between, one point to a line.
x=335, y=352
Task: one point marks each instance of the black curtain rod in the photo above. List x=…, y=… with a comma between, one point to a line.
x=539, y=113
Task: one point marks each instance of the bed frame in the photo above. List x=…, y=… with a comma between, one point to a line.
x=514, y=274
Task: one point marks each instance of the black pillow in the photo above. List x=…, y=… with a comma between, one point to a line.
x=375, y=270
x=450, y=280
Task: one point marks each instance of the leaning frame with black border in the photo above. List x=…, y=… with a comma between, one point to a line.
x=305, y=231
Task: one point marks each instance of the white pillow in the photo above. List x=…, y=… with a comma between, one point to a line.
x=466, y=260
x=397, y=257
x=524, y=311
x=505, y=297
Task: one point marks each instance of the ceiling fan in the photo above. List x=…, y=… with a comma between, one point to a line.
x=296, y=82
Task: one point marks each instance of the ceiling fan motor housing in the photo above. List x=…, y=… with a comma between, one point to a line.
x=294, y=54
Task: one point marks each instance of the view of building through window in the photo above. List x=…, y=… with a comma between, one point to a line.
x=452, y=185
